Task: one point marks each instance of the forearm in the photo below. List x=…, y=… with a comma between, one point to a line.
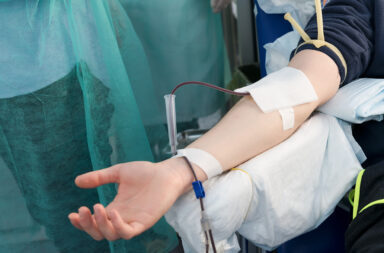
x=246, y=131
x=150, y=189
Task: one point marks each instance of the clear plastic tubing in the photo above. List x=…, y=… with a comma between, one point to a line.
x=171, y=121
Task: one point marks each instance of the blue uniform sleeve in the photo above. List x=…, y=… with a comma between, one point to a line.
x=348, y=25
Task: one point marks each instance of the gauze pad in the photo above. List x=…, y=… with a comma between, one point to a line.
x=282, y=90
x=285, y=88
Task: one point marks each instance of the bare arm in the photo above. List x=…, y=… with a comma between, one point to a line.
x=246, y=131
x=147, y=190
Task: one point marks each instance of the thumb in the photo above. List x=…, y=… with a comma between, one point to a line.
x=96, y=178
x=213, y=3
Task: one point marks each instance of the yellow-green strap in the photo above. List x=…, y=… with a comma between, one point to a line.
x=351, y=194
x=357, y=194
x=380, y=201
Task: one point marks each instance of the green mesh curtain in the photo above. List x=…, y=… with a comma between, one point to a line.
x=183, y=41
x=80, y=87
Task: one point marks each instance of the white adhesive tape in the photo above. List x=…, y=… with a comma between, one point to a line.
x=288, y=117
x=203, y=159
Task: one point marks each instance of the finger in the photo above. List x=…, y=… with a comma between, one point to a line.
x=213, y=3
x=122, y=229
x=222, y=4
x=75, y=220
x=88, y=223
x=216, y=8
x=104, y=224
x=125, y=230
x=96, y=178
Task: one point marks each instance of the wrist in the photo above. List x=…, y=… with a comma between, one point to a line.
x=182, y=175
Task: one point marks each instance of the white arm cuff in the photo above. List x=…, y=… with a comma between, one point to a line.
x=203, y=159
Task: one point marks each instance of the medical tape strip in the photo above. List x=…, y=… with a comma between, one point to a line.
x=288, y=117
x=203, y=159
x=280, y=91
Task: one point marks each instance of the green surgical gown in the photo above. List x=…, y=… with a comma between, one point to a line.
x=80, y=90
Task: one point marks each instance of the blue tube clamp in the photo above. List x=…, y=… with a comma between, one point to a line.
x=198, y=189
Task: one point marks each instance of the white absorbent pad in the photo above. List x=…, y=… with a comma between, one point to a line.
x=282, y=89
x=358, y=101
x=280, y=194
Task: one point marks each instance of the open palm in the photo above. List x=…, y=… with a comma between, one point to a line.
x=146, y=191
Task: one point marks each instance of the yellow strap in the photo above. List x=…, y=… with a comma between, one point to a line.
x=357, y=194
x=380, y=201
x=246, y=172
x=319, y=16
x=296, y=26
x=320, y=42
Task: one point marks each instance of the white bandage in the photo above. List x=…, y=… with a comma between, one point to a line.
x=203, y=159
x=282, y=90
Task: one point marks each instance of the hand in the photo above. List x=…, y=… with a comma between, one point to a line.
x=146, y=191
x=219, y=5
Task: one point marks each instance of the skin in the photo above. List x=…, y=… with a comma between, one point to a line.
x=147, y=190
x=219, y=5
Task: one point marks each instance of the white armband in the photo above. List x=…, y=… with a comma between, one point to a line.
x=203, y=159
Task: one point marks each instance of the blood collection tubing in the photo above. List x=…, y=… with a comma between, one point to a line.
x=172, y=135
x=171, y=110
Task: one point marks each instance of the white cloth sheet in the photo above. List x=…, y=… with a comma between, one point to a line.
x=293, y=187
x=287, y=190
x=358, y=101
x=301, y=10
